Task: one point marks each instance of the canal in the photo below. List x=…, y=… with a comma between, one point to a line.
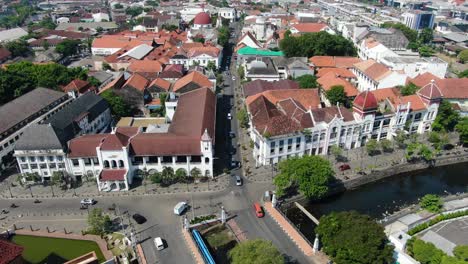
x=385, y=196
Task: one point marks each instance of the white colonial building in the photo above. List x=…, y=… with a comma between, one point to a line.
x=42, y=149
x=24, y=111
x=289, y=123
x=372, y=75
x=115, y=159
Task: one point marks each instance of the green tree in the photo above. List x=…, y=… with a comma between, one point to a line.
x=211, y=66
x=336, y=94
x=372, y=146
x=426, y=51
x=461, y=252
x=438, y=139
x=98, y=223
x=134, y=11
x=311, y=174
x=167, y=175
x=241, y=72
x=463, y=74
x=255, y=251
x=223, y=36
x=243, y=118
x=195, y=173
x=447, y=118
x=169, y=27
x=307, y=81
x=18, y=48
x=410, y=34
x=55, y=179
x=315, y=44
x=68, y=47
x=118, y=6
x=426, y=35
x=409, y=89
x=117, y=104
x=156, y=177
x=337, y=152
x=199, y=39
x=386, y=145
x=425, y=252
x=431, y=203
x=350, y=237
x=181, y=174
x=425, y=153
x=463, y=56
x=401, y=138
x=462, y=129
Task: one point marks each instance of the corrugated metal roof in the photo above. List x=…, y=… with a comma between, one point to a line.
x=138, y=52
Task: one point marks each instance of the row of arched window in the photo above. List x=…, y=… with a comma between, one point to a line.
x=113, y=164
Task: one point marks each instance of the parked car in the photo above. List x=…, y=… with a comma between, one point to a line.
x=4, y=211
x=83, y=206
x=233, y=78
x=238, y=180
x=344, y=167
x=88, y=201
x=229, y=116
x=234, y=164
x=258, y=210
x=139, y=218
x=232, y=134
x=180, y=208
x=158, y=242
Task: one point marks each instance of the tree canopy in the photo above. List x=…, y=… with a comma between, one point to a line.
x=462, y=129
x=313, y=44
x=409, y=89
x=463, y=74
x=311, y=174
x=463, y=56
x=431, y=203
x=307, y=81
x=223, y=36
x=68, y=47
x=350, y=237
x=336, y=95
x=117, y=104
x=447, y=118
x=255, y=251
x=98, y=222
x=18, y=48
x=22, y=77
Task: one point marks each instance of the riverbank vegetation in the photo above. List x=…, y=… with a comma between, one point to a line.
x=310, y=174
x=427, y=253
x=350, y=237
x=431, y=203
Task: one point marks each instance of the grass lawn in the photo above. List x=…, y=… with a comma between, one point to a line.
x=54, y=250
x=220, y=241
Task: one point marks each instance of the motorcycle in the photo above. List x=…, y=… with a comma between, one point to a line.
x=37, y=201
x=13, y=205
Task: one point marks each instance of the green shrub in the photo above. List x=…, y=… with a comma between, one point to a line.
x=202, y=218
x=431, y=203
x=436, y=220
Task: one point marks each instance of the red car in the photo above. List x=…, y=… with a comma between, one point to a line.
x=344, y=167
x=258, y=210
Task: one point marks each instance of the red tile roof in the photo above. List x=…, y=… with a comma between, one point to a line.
x=202, y=18
x=9, y=251
x=113, y=175
x=340, y=72
x=4, y=53
x=85, y=146
x=307, y=98
x=333, y=62
x=329, y=80
x=160, y=83
x=137, y=81
x=430, y=91
x=119, y=139
x=423, y=79
x=454, y=88
x=259, y=86
x=145, y=66
x=374, y=70
x=194, y=77
x=77, y=85
x=309, y=27
x=365, y=101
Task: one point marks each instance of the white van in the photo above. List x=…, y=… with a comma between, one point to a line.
x=159, y=243
x=180, y=208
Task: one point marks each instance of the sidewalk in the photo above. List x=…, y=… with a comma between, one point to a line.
x=89, y=189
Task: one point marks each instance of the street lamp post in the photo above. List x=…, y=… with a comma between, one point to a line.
x=11, y=194
x=30, y=190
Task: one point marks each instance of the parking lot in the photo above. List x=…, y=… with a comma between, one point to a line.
x=446, y=236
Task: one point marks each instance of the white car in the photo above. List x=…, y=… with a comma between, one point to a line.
x=229, y=116
x=233, y=78
x=159, y=243
x=88, y=201
x=180, y=208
